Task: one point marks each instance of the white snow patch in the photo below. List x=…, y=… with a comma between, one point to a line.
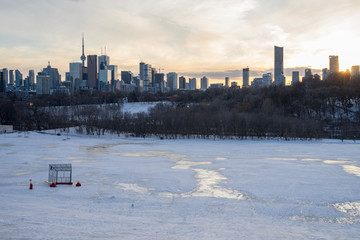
x=349, y=208
x=134, y=188
x=352, y=170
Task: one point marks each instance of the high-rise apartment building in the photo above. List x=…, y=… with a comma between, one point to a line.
x=2, y=82
x=246, y=75
x=18, y=78
x=227, y=82
x=192, y=83
x=333, y=64
x=32, y=79
x=295, y=77
x=182, y=82
x=355, y=71
x=145, y=75
x=204, y=83
x=325, y=73
x=279, y=66
x=92, y=71
x=6, y=75
x=171, y=81
x=159, y=82
x=11, y=78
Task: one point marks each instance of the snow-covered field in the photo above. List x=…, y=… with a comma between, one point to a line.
x=179, y=189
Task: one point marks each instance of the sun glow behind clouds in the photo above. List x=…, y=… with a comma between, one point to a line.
x=181, y=35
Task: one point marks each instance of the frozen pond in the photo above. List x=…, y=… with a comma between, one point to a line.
x=180, y=189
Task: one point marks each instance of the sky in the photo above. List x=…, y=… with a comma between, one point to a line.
x=216, y=38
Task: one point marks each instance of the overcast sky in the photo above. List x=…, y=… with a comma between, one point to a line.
x=180, y=35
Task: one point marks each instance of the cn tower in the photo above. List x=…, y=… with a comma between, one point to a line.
x=83, y=58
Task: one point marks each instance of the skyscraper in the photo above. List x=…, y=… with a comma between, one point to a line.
x=192, y=83
x=279, y=66
x=182, y=82
x=355, y=71
x=92, y=75
x=145, y=75
x=75, y=75
x=83, y=58
x=32, y=79
x=295, y=77
x=172, y=82
x=325, y=73
x=2, y=82
x=204, y=83
x=159, y=82
x=54, y=76
x=127, y=77
x=114, y=74
x=18, y=78
x=333, y=64
x=6, y=75
x=42, y=83
x=227, y=82
x=103, y=62
x=11, y=77
x=246, y=74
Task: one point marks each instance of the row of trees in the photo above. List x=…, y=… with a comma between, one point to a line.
x=310, y=109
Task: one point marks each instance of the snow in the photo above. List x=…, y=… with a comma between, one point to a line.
x=137, y=107
x=179, y=189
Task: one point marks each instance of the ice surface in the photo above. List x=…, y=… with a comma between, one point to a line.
x=179, y=189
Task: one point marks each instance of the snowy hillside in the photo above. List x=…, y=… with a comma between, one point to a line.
x=179, y=189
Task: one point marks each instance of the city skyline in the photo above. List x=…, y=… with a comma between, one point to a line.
x=196, y=37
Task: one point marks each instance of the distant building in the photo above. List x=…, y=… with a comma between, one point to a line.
x=308, y=75
x=227, y=82
x=279, y=66
x=75, y=75
x=6, y=75
x=18, y=78
x=146, y=75
x=42, y=83
x=127, y=77
x=204, y=83
x=104, y=79
x=234, y=85
x=139, y=84
x=334, y=64
x=159, y=82
x=192, y=83
x=92, y=72
x=355, y=71
x=216, y=85
x=325, y=73
x=267, y=79
x=11, y=78
x=295, y=77
x=54, y=76
x=32, y=79
x=171, y=81
x=2, y=82
x=114, y=73
x=246, y=75
x=103, y=62
x=182, y=82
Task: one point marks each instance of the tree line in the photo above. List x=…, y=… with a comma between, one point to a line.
x=307, y=110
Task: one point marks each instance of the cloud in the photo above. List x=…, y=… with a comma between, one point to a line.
x=179, y=35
